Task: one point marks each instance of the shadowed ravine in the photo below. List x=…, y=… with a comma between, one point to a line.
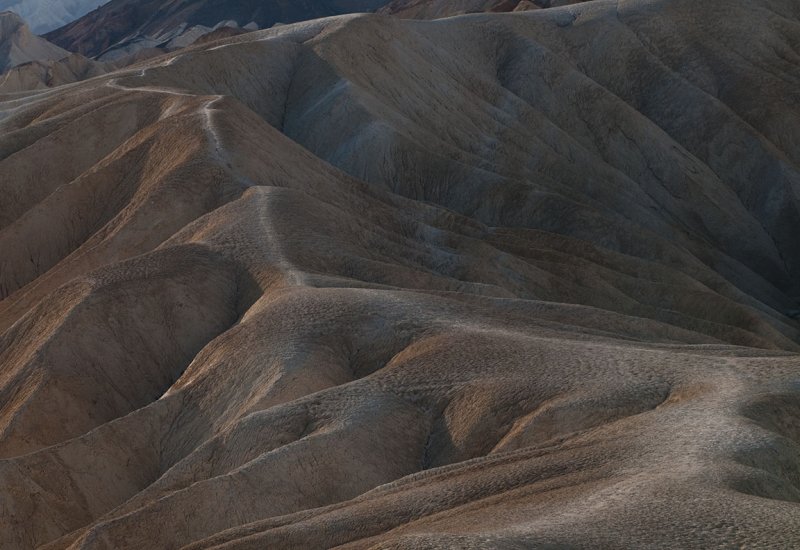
x=494, y=281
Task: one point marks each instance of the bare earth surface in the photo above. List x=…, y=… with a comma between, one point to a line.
x=29, y=62
x=19, y=45
x=520, y=280
x=432, y=9
x=120, y=22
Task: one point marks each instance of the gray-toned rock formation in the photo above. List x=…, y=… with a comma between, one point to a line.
x=121, y=23
x=19, y=45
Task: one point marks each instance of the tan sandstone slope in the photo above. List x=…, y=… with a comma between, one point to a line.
x=29, y=62
x=19, y=45
x=515, y=280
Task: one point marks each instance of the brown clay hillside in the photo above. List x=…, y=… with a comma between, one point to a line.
x=497, y=281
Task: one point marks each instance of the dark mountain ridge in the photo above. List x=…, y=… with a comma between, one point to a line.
x=124, y=20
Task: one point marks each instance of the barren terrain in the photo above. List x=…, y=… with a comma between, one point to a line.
x=504, y=280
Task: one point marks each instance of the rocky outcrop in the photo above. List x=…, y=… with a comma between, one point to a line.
x=19, y=45
x=38, y=75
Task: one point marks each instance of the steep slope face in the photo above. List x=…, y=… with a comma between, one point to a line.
x=124, y=21
x=19, y=45
x=28, y=62
x=46, y=15
x=37, y=75
x=494, y=281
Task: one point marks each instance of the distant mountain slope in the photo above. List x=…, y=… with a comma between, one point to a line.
x=128, y=20
x=37, y=75
x=19, y=45
x=46, y=15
